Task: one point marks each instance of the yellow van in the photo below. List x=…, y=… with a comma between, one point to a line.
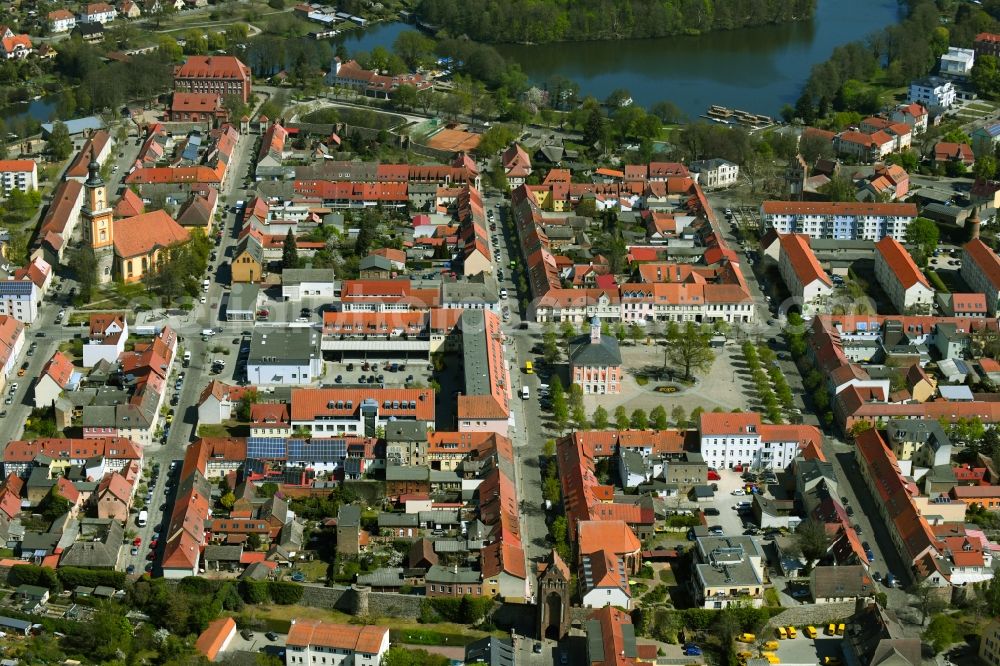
x=529, y=369
x=791, y=632
x=811, y=631
x=771, y=657
x=832, y=661
x=831, y=629
x=840, y=629
x=771, y=645
x=746, y=638
x=782, y=634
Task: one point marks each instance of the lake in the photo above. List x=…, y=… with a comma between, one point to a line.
x=756, y=69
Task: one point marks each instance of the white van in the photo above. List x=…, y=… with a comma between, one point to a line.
x=143, y=517
x=205, y=284
x=187, y=357
x=525, y=393
x=207, y=332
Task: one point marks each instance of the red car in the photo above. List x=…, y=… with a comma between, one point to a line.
x=137, y=541
x=152, y=544
x=714, y=476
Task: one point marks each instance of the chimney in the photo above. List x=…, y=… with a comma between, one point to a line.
x=974, y=223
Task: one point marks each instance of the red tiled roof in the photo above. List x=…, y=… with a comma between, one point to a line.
x=309, y=404
x=900, y=263
x=212, y=640
x=60, y=369
x=985, y=260
x=803, y=260
x=213, y=67
x=367, y=639
x=500, y=557
x=145, y=233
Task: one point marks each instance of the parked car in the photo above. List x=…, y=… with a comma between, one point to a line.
x=271, y=636
x=247, y=635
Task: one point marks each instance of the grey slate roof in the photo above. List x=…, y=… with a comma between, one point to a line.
x=841, y=581
x=605, y=353
x=491, y=650
x=384, y=577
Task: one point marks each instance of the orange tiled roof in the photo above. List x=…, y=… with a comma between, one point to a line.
x=367, y=639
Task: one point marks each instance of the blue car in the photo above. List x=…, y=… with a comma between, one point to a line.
x=870, y=555
x=693, y=651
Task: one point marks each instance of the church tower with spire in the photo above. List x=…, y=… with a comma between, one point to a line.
x=98, y=227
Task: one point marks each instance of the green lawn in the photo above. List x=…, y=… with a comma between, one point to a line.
x=414, y=636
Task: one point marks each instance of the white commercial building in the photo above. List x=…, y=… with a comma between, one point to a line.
x=299, y=283
x=838, y=220
x=285, y=356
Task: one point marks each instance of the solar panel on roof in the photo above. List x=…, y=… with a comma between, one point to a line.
x=266, y=448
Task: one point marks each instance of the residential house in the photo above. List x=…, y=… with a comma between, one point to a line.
x=609, y=555
x=57, y=375
x=516, y=164
x=98, y=12
x=106, y=340
x=19, y=299
x=874, y=637
x=11, y=344
x=829, y=585
x=115, y=492
x=946, y=151
x=13, y=46
x=957, y=62
x=61, y=20
x=912, y=114
x=728, y=570
x=715, y=173
x=218, y=402
x=248, y=257
x=129, y=9
x=900, y=278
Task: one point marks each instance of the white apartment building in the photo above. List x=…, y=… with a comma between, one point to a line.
x=18, y=175
x=729, y=440
x=981, y=271
x=957, y=62
x=715, y=173
x=61, y=20
x=807, y=282
x=900, y=278
x=312, y=642
x=839, y=220
x=20, y=299
x=933, y=92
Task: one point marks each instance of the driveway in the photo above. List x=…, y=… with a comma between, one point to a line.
x=726, y=503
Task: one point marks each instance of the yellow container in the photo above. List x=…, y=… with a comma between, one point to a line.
x=792, y=633
x=831, y=629
x=782, y=634
x=746, y=638
x=811, y=631
x=840, y=629
x=771, y=657
x=771, y=645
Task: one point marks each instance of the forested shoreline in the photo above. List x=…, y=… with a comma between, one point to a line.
x=540, y=21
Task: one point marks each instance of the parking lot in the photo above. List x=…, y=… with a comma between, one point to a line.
x=729, y=518
x=257, y=641
x=802, y=650
x=389, y=373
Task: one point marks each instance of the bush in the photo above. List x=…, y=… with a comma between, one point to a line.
x=254, y=591
x=73, y=576
x=467, y=610
x=29, y=574
x=285, y=593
